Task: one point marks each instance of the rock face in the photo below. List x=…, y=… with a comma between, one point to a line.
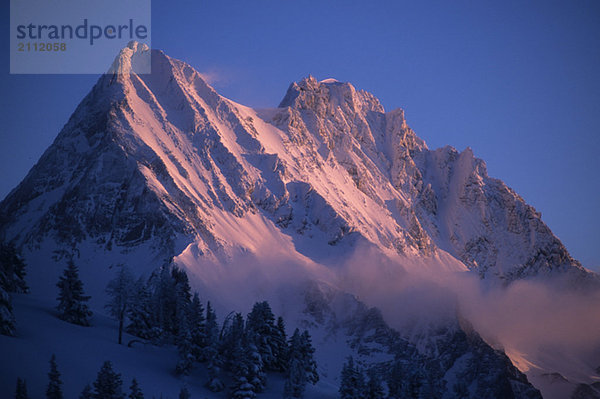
x=163, y=162
x=450, y=360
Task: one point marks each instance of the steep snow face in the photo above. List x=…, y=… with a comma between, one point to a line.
x=484, y=223
x=440, y=199
x=163, y=158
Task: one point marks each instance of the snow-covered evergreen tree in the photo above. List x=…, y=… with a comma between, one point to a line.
x=71, y=299
x=308, y=351
x=261, y=323
x=212, y=355
x=120, y=291
x=164, y=303
x=197, y=325
x=21, y=392
x=12, y=279
x=396, y=381
x=295, y=382
x=184, y=393
x=183, y=299
x=233, y=335
x=374, y=389
x=108, y=384
x=8, y=324
x=352, y=384
x=461, y=391
x=135, y=392
x=301, y=368
x=184, y=330
x=184, y=348
x=182, y=284
x=280, y=347
x=87, y=392
x=54, y=390
x=241, y=387
x=13, y=266
x=418, y=385
x=140, y=311
x=256, y=370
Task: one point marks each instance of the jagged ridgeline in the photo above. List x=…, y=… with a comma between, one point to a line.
x=273, y=203
x=165, y=160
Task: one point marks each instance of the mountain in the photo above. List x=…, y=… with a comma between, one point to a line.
x=151, y=167
x=164, y=159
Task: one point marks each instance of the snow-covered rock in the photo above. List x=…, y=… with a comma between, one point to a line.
x=163, y=158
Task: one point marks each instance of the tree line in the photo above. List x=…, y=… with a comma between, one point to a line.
x=162, y=310
x=108, y=385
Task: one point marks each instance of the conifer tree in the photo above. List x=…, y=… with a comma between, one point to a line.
x=184, y=312
x=54, y=390
x=8, y=325
x=182, y=284
x=241, y=387
x=211, y=351
x=164, y=303
x=197, y=325
x=12, y=280
x=21, y=392
x=261, y=322
x=87, y=392
x=184, y=393
x=233, y=334
x=256, y=370
x=302, y=368
x=71, y=300
x=183, y=299
x=135, y=391
x=280, y=347
x=295, y=382
x=352, y=385
x=13, y=266
x=184, y=348
x=374, y=389
x=120, y=290
x=140, y=311
x=108, y=384
x=307, y=351
x=396, y=380
x=416, y=383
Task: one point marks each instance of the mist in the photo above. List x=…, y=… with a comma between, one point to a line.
x=542, y=326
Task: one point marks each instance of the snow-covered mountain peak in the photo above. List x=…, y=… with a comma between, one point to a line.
x=135, y=57
x=325, y=96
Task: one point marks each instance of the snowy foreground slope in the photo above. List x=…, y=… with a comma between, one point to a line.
x=299, y=204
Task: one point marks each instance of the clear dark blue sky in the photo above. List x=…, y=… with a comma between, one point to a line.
x=518, y=81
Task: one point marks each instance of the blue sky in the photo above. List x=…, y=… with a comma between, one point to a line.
x=519, y=82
